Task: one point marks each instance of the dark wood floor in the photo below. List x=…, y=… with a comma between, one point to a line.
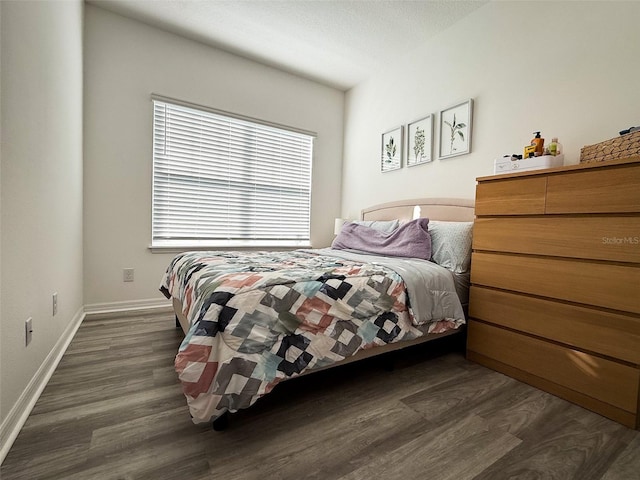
x=114, y=410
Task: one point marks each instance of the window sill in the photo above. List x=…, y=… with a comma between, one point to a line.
x=227, y=247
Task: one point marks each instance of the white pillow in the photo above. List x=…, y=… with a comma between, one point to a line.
x=386, y=226
x=451, y=244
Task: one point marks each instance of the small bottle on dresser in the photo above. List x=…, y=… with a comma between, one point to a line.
x=538, y=142
x=555, y=147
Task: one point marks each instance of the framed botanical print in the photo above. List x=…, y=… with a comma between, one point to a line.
x=391, y=152
x=419, y=141
x=455, y=129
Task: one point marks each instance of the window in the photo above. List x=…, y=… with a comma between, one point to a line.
x=223, y=180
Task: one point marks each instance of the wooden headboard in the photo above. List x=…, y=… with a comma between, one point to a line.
x=443, y=209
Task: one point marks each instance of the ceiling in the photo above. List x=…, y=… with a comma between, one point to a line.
x=336, y=42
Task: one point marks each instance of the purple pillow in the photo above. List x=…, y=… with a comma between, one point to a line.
x=409, y=240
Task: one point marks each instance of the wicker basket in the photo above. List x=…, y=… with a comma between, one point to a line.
x=620, y=147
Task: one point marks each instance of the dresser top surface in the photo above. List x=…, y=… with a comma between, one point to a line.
x=566, y=168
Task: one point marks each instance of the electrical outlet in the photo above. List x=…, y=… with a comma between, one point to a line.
x=55, y=303
x=127, y=275
x=28, y=331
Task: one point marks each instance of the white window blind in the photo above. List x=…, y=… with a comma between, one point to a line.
x=225, y=181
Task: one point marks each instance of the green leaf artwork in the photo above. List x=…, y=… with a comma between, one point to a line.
x=418, y=144
x=456, y=131
x=390, y=148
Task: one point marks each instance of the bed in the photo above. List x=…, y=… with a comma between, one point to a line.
x=254, y=319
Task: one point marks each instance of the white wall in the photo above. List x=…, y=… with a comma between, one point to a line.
x=41, y=184
x=1, y=416
x=125, y=62
x=569, y=69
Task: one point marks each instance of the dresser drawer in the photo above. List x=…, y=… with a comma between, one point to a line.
x=521, y=196
x=600, y=284
x=610, y=382
x=614, y=335
x=613, y=238
x=610, y=190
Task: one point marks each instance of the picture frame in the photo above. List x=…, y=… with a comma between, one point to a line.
x=391, y=150
x=456, y=129
x=420, y=141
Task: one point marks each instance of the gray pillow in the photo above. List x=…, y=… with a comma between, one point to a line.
x=386, y=226
x=451, y=244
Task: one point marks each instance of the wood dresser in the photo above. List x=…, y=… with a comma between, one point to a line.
x=555, y=273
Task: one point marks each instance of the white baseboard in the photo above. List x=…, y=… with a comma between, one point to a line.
x=20, y=411
x=152, y=305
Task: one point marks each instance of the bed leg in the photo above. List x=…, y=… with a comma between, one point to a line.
x=177, y=322
x=221, y=423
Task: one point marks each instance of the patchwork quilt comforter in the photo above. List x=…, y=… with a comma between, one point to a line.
x=258, y=318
